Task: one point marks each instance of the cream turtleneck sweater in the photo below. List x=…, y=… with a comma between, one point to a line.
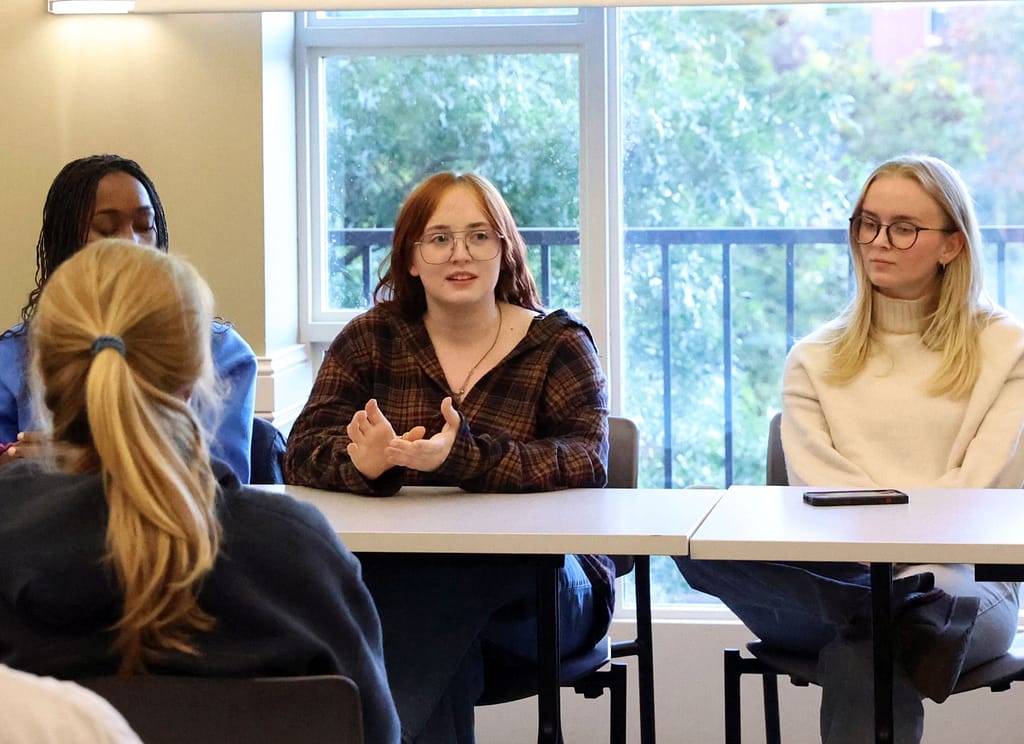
x=884, y=429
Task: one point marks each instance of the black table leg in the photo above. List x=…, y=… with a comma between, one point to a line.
x=645, y=657
x=549, y=717
x=881, y=621
x=642, y=647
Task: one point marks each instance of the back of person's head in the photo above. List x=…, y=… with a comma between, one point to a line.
x=69, y=207
x=515, y=282
x=961, y=285
x=120, y=339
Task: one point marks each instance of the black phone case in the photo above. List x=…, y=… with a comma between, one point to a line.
x=856, y=497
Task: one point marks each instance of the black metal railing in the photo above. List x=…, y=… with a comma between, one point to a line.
x=356, y=245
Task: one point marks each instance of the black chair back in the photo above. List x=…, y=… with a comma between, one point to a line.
x=775, y=464
x=623, y=452
x=165, y=709
x=266, y=461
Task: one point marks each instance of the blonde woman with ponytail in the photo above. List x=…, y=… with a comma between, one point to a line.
x=131, y=550
x=918, y=383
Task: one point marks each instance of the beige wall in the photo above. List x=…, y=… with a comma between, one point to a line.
x=183, y=95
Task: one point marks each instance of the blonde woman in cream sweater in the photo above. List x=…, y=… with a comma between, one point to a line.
x=919, y=382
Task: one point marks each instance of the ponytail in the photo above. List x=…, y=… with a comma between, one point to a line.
x=121, y=338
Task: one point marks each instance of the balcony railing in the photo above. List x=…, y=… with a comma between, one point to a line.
x=354, y=246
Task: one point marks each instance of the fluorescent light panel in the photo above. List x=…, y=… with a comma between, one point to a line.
x=65, y=7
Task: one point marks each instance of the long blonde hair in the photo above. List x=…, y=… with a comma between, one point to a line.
x=124, y=414
x=962, y=309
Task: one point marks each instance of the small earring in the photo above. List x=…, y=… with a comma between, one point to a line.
x=942, y=268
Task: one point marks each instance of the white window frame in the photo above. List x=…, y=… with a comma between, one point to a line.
x=590, y=34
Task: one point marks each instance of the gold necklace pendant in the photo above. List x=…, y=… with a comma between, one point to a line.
x=462, y=388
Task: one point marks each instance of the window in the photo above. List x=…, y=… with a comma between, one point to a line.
x=685, y=173
x=391, y=98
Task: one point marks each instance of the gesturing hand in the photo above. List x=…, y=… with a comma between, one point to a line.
x=370, y=432
x=412, y=451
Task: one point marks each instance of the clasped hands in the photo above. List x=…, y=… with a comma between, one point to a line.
x=376, y=448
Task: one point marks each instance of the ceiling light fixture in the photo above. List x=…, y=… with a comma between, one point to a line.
x=81, y=7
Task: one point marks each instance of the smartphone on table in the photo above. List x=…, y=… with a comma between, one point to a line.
x=851, y=497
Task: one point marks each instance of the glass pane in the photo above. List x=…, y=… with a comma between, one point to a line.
x=747, y=132
x=393, y=120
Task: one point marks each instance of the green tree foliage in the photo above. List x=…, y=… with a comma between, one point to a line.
x=395, y=120
x=985, y=41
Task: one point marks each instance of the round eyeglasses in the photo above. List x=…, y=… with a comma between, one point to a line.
x=901, y=234
x=439, y=247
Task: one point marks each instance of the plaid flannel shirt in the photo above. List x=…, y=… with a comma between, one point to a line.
x=538, y=421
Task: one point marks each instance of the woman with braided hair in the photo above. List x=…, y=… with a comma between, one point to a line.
x=128, y=549
x=106, y=196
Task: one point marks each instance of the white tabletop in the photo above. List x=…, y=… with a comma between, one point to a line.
x=613, y=521
x=938, y=525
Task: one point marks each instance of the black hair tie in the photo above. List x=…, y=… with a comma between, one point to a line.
x=108, y=342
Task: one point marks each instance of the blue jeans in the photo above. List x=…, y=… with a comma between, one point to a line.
x=437, y=612
x=824, y=609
